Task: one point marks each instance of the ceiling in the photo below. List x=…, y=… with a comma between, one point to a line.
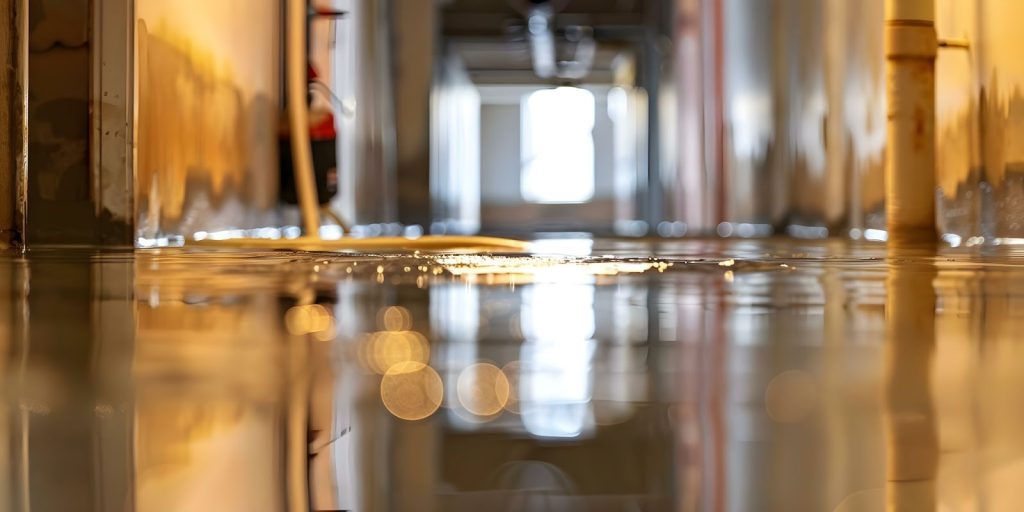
x=488, y=36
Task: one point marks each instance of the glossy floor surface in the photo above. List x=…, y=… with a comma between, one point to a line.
x=600, y=376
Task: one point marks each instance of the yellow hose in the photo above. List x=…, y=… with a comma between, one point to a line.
x=305, y=182
x=298, y=117
x=387, y=243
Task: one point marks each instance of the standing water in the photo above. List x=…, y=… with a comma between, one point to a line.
x=684, y=376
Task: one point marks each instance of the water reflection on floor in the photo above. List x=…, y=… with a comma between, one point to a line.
x=691, y=376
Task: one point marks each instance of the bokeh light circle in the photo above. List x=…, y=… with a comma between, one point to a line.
x=483, y=389
x=411, y=390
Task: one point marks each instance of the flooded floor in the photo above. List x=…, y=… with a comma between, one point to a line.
x=605, y=376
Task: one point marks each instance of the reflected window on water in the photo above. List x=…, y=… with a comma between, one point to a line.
x=555, y=384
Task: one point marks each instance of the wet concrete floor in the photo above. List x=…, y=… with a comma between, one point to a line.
x=608, y=376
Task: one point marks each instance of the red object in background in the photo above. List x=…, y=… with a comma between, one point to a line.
x=323, y=141
x=325, y=12
x=325, y=129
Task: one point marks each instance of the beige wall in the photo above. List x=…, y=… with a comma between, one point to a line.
x=980, y=118
x=208, y=79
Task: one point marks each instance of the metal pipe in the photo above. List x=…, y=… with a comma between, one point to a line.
x=542, y=41
x=540, y=27
x=298, y=116
x=910, y=50
x=584, y=51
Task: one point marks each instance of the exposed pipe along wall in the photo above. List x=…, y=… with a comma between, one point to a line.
x=911, y=46
x=298, y=115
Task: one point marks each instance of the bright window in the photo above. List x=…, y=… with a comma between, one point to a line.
x=558, y=146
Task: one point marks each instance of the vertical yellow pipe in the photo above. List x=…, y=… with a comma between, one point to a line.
x=298, y=116
x=305, y=185
x=297, y=426
x=910, y=49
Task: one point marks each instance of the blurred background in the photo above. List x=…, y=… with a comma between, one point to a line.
x=669, y=118
x=704, y=374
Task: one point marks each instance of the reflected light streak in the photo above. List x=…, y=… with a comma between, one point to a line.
x=559, y=314
x=544, y=267
x=555, y=380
